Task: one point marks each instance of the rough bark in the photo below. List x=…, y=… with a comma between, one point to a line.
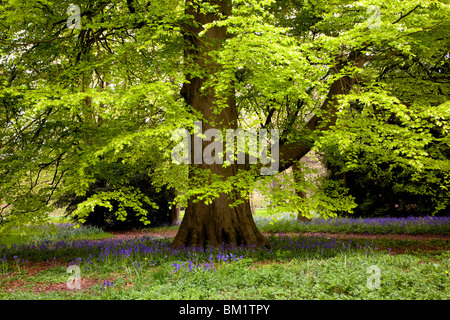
x=216, y=224
x=252, y=203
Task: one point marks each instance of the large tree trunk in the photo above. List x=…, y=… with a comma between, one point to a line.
x=217, y=222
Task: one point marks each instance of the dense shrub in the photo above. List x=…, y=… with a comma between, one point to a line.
x=106, y=219
x=386, y=189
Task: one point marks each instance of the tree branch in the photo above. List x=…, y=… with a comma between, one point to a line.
x=294, y=151
x=407, y=14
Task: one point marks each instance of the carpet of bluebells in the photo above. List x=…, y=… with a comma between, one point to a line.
x=406, y=225
x=147, y=252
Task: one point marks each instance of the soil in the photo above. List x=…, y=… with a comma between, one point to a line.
x=130, y=234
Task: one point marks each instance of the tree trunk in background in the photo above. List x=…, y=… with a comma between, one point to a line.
x=296, y=168
x=175, y=214
x=252, y=203
x=215, y=223
x=344, y=177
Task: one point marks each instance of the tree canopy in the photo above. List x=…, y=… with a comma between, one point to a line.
x=96, y=88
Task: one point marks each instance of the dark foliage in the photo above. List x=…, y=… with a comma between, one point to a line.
x=378, y=198
x=106, y=219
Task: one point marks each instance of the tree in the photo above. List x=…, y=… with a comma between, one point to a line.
x=365, y=48
x=218, y=221
x=294, y=66
x=70, y=112
x=387, y=183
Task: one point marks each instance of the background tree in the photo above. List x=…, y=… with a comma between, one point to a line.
x=381, y=179
x=71, y=110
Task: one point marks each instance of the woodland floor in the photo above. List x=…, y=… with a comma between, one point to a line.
x=407, y=244
x=422, y=242
x=172, y=233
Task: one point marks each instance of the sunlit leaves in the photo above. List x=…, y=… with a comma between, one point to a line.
x=75, y=103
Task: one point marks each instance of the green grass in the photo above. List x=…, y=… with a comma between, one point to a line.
x=402, y=277
x=261, y=212
x=51, y=232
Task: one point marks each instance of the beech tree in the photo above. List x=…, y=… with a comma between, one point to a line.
x=116, y=79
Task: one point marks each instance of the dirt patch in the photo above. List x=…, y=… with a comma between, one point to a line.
x=124, y=235
x=20, y=285
x=39, y=287
x=34, y=267
x=172, y=233
x=370, y=236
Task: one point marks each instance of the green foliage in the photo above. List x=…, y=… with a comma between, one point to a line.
x=70, y=113
x=395, y=156
x=76, y=102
